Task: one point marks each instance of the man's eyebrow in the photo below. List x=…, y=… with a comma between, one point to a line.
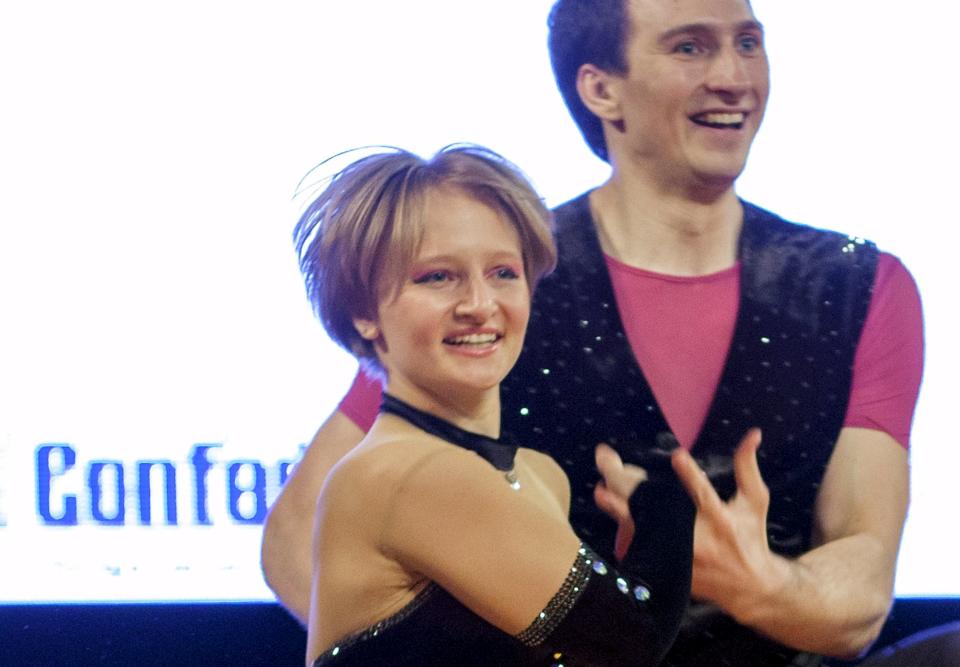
x=746, y=26
x=688, y=28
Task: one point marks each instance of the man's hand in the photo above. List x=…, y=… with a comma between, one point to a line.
x=614, y=490
x=832, y=599
x=731, y=554
x=731, y=558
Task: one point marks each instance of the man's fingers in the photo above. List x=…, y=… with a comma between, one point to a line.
x=613, y=504
x=746, y=469
x=695, y=481
x=617, y=477
x=617, y=508
x=607, y=459
x=625, y=533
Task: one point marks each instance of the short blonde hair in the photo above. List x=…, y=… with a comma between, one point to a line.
x=357, y=239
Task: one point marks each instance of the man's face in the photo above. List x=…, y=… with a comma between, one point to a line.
x=694, y=92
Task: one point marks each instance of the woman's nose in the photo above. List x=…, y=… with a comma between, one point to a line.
x=477, y=302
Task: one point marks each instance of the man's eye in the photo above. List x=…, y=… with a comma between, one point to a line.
x=749, y=44
x=687, y=48
x=431, y=278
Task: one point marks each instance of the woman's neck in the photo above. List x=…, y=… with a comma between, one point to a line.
x=477, y=412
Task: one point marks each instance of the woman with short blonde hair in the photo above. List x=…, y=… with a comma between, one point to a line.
x=436, y=542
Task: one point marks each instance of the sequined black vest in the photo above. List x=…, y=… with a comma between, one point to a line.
x=804, y=297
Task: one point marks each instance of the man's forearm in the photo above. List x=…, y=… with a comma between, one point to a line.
x=287, y=550
x=832, y=600
x=287, y=559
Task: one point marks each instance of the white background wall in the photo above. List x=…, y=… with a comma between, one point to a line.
x=149, y=296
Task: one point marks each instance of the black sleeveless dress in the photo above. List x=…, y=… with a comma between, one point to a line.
x=600, y=616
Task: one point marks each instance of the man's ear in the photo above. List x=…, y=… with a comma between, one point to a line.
x=367, y=329
x=600, y=92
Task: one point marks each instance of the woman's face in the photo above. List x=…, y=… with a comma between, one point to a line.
x=456, y=326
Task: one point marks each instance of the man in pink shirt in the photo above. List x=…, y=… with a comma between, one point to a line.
x=681, y=315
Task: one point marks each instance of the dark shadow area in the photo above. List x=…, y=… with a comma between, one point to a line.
x=150, y=634
x=238, y=634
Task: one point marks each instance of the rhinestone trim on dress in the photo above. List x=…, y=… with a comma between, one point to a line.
x=561, y=603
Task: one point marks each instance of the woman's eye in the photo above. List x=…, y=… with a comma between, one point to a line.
x=432, y=277
x=506, y=273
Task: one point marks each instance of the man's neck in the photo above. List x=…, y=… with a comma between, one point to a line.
x=671, y=233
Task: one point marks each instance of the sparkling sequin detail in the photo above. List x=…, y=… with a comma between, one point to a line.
x=802, y=306
x=561, y=603
x=804, y=295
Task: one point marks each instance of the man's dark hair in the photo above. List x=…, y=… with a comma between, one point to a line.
x=581, y=32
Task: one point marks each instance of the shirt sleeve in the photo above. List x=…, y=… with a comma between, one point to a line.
x=888, y=364
x=362, y=402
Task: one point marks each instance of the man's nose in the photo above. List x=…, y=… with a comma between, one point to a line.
x=728, y=73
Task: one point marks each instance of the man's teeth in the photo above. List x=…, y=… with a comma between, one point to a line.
x=717, y=119
x=473, y=339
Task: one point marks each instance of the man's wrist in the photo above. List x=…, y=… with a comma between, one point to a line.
x=769, y=592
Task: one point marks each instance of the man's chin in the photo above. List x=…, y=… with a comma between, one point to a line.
x=719, y=174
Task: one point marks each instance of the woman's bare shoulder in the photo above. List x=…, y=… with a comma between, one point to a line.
x=550, y=473
x=544, y=464
x=377, y=467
